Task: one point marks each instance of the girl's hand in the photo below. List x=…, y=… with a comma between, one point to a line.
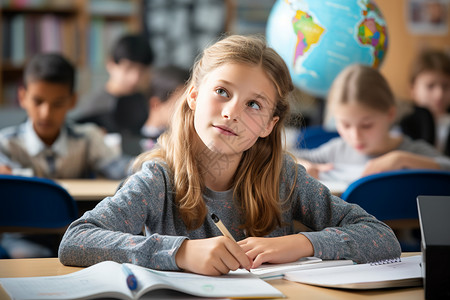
x=397, y=160
x=281, y=249
x=213, y=256
x=314, y=169
x=4, y=169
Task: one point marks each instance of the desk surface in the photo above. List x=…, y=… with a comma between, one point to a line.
x=97, y=189
x=89, y=189
x=292, y=290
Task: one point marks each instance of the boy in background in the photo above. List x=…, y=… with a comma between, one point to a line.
x=48, y=146
x=121, y=106
x=166, y=86
x=429, y=118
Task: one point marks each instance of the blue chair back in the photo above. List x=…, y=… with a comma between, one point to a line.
x=313, y=136
x=34, y=204
x=392, y=195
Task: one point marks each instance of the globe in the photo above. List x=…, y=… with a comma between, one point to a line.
x=319, y=38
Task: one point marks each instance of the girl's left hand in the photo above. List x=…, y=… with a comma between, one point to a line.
x=281, y=249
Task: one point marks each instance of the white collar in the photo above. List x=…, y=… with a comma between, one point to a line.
x=35, y=145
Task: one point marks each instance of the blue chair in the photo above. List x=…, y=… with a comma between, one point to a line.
x=313, y=136
x=31, y=204
x=391, y=196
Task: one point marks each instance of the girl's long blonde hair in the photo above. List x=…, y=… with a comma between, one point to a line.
x=256, y=181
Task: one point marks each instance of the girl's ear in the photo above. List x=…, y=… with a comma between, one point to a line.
x=392, y=113
x=192, y=97
x=269, y=127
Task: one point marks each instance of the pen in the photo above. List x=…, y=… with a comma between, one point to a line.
x=131, y=279
x=222, y=227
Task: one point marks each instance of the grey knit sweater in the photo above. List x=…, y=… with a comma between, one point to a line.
x=112, y=230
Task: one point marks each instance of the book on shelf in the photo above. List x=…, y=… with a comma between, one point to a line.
x=275, y=271
x=103, y=34
x=108, y=280
x=113, y=7
x=402, y=272
x=28, y=34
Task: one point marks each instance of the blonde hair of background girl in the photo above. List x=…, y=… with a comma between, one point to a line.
x=256, y=181
x=362, y=85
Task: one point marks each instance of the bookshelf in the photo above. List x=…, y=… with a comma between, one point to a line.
x=179, y=30
x=83, y=30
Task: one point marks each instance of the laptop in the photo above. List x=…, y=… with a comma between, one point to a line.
x=434, y=219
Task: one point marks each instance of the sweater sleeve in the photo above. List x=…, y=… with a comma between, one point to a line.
x=112, y=230
x=340, y=230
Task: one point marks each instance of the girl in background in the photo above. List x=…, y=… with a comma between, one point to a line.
x=223, y=154
x=363, y=107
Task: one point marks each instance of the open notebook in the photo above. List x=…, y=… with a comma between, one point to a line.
x=402, y=272
x=107, y=280
x=345, y=173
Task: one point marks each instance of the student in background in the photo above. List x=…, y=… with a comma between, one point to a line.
x=363, y=107
x=121, y=106
x=48, y=146
x=166, y=86
x=223, y=154
x=430, y=89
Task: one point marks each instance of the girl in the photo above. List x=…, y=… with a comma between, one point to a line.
x=223, y=155
x=363, y=107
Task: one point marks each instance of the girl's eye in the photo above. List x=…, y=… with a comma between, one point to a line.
x=254, y=105
x=366, y=126
x=343, y=125
x=222, y=92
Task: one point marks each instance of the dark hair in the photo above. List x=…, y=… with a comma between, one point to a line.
x=430, y=60
x=165, y=80
x=134, y=47
x=50, y=67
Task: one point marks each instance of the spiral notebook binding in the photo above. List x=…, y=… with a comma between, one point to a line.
x=386, y=261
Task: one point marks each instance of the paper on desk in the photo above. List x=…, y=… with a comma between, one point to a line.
x=274, y=271
x=345, y=173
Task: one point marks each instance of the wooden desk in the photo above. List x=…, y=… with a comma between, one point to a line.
x=97, y=189
x=292, y=290
x=89, y=189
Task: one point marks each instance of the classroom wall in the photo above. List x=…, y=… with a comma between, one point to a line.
x=404, y=46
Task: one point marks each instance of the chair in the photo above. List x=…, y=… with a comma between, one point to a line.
x=34, y=204
x=391, y=196
x=313, y=136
